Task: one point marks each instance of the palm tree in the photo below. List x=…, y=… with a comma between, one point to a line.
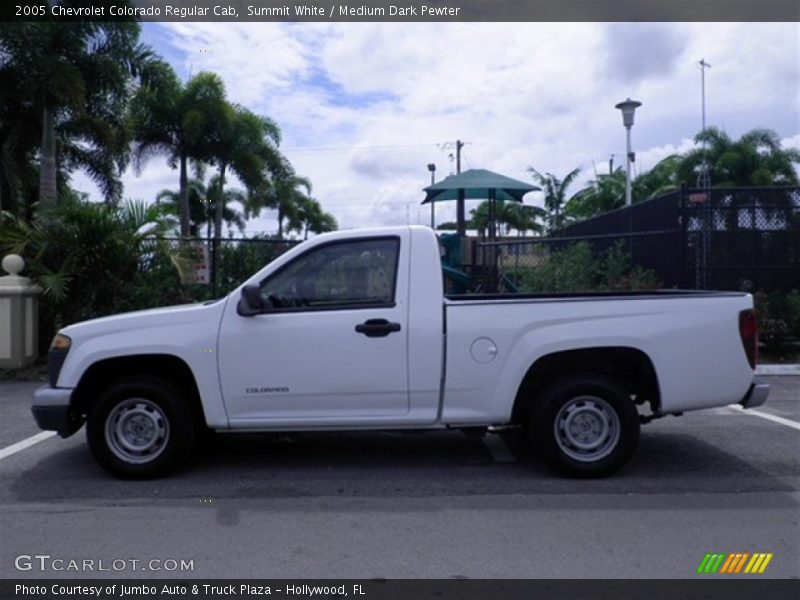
x=170, y=203
x=285, y=191
x=510, y=216
x=755, y=159
x=203, y=202
x=311, y=218
x=661, y=179
x=605, y=193
x=76, y=76
x=479, y=218
x=87, y=254
x=176, y=120
x=246, y=144
x=555, y=195
x=18, y=173
x=524, y=218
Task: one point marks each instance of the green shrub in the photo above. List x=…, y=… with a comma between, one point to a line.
x=93, y=260
x=779, y=322
x=575, y=269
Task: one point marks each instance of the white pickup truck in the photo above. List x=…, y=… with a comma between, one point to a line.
x=352, y=331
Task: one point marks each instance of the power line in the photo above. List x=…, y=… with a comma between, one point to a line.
x=351, y=148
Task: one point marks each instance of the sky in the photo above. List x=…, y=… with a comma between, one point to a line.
x=365, y=107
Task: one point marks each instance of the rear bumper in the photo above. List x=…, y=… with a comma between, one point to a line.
x=755, y=396
x=52, y=411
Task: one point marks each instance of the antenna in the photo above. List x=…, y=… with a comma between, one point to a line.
x=704, y=183
x=703, y=178
x=703, y=66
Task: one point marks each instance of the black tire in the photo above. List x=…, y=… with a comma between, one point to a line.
x=585, y=426
x=141, y=427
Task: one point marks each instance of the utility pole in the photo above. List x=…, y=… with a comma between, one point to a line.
x=432, y=169
x=461, y=218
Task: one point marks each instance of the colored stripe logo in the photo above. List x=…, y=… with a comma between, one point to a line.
x=737, y=562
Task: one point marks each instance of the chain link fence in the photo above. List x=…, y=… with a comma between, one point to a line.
x=215, y=267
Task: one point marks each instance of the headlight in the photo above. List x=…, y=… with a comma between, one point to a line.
x=55, y=358
x=60, y=342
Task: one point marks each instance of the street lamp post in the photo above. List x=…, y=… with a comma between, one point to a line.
x=628, y=108
x=432, y=169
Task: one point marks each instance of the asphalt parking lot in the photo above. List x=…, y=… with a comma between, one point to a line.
x=440, y=505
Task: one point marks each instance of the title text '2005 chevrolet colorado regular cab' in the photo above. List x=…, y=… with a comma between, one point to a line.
x=352, y=331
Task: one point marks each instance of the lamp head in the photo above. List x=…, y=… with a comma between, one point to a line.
x=628, y=108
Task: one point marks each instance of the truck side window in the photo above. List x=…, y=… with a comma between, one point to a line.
x=346, y=274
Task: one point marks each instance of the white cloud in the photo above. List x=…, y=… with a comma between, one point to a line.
x=364, y=107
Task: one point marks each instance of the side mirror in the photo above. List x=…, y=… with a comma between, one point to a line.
x=250, y=303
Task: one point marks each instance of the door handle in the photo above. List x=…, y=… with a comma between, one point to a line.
x=377, y=327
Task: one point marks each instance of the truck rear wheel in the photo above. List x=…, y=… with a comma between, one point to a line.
x=141, y=428
x=585, y=426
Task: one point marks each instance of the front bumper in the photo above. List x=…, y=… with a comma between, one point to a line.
x=52, y=410
x=755, y=396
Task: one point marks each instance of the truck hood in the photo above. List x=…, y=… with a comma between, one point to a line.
x=169, y=315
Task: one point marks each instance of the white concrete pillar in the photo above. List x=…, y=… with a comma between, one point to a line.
x=19, y=316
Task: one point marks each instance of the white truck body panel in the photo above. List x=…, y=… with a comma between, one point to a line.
x=188, y=332
x=453, y=362
x=696, y=354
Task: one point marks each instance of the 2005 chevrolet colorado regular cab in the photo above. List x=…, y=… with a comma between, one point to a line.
x=352, y=331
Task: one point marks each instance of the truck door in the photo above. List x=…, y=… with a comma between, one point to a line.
x=331, y=344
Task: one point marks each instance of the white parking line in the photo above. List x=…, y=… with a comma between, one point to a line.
x=498, y=448
x=26, y=443
x=767, y=416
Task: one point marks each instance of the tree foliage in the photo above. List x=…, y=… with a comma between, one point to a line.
x=510, y=216
x=93, y=259
x=204, y=197
x=555, y=195
x=755, y=159
x=245, y=144
x=65, y=90
x=177, y=121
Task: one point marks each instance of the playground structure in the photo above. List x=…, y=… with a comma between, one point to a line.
x=461, y=274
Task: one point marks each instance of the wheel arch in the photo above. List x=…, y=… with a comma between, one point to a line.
x=105, y=372
x=631, y=367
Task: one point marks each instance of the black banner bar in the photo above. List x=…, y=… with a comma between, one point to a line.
x=409, y=11
x=707, y=587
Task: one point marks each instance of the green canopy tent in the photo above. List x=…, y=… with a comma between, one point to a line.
x=477, y=184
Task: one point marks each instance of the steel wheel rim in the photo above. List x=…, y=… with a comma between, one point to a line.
x=137, y=430
x=587, y=429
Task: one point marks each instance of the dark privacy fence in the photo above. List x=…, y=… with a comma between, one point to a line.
x=724, y=238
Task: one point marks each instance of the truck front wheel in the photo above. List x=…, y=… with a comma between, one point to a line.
x=585, y=426
x=140, y=428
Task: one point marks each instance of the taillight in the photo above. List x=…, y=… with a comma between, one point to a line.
x=748, y=330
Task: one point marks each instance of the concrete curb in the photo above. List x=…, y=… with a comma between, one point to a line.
x=778, y=370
